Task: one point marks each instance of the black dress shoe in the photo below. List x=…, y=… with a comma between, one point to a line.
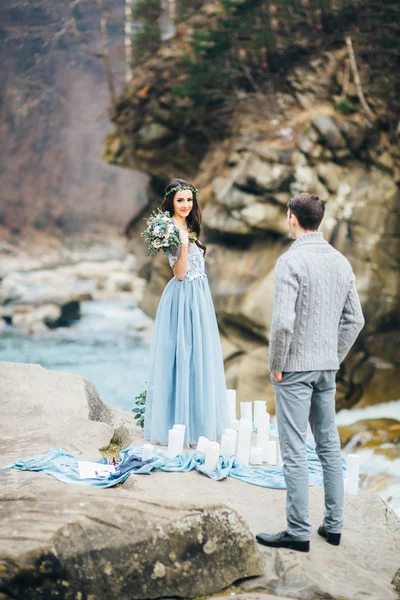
x=282, y=540
x=331, y=538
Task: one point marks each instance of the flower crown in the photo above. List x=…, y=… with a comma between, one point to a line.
x=181, y=187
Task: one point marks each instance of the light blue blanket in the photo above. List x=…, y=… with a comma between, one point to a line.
x=64, y=467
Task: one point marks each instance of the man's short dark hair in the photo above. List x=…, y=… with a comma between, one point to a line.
x=309, y=210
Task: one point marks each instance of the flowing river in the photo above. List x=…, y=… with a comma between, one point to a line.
x=109, y=345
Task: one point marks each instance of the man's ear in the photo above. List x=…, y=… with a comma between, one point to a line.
x=293, y=220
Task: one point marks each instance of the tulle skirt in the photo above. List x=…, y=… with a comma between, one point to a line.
x=186, y=380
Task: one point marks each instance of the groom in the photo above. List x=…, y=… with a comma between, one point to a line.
x=316, y=319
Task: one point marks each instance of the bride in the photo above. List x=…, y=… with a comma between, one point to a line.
x=186, y=381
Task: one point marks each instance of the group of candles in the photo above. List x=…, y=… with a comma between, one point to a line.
x=236, y=440
x=266, y=450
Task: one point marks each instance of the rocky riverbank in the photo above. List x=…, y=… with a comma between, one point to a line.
x=43, y=279
x=143, y=539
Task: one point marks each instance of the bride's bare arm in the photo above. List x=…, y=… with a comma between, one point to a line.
x=180, y=267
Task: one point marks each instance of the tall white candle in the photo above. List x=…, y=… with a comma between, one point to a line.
x=244, y=441
x=353, y=473
x=231, y=398
x=202, y=443
x=232, y=434
x=182, y=430
x=235, y=425
x=211, y=456
x=263, y=433
x=271, y=453
x=148, y=452
x=174, y=443
x=256, y=456
x=228, y=445
x=246, y=411
x=259, y=411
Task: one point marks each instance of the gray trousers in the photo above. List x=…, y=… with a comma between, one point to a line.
x=303, y=396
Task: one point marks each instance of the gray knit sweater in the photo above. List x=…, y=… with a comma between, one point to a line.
x=317, y=313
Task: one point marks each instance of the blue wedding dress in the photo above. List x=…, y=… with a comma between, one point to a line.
x=186, y=380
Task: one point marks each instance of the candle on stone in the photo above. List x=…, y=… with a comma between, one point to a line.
x=231, y=398
x=211, y=456
x=256, y=456
x=182, y=429
x=235, y=425
x=259, y=411
x=270, y=453
x=228, y=445
x=353, y=473
x=263, y=433
x=148, y=452
x=174, y=443
x=244, y=441
x=202, y=443
x=246, y=411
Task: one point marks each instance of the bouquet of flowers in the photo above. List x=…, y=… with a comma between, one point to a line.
x=162, y=233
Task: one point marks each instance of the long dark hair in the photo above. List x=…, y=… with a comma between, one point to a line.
x=193, y=219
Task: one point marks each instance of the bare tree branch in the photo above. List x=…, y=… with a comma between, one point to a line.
x=357, y=80
x=346, y=79
x=106, y=51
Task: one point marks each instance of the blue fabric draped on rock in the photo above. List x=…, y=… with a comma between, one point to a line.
x=64, y=467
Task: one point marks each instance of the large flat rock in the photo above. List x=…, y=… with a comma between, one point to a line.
x=115, y=542
x=362, y=567
x=118, y=544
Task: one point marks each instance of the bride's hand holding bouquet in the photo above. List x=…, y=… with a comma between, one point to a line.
x=162, y=233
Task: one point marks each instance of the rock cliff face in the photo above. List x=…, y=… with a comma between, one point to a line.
x=53, y=120
x=294, y=141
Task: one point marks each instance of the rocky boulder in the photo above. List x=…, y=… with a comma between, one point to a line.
x=43, y=409
x=117, y=544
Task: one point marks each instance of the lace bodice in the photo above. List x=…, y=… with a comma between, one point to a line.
x=195, y=266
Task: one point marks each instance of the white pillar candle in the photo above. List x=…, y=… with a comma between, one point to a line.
x=263, y=433
x=202, y=443
x=182, y=430
x=246, y=411
x=235, y=425
x=148, y=452
x=259, y=411
x=232, y=434
x=231, y=398
x=244, y=441
x=174, y=443
x=256, y=456
x=211, y=456
x=271, y=453
x=353, y=473
x=228, y=445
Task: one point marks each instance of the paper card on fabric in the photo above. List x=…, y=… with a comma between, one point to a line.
x=94, y=470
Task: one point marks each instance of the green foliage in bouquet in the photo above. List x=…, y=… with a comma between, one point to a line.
x=140, y=408
x=162, y=233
